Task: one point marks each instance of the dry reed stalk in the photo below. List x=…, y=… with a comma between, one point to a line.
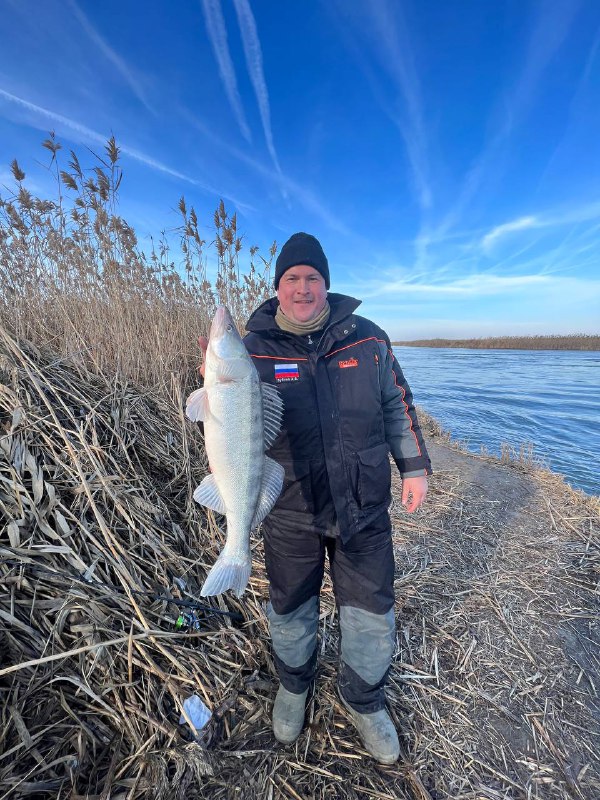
x=494, y=683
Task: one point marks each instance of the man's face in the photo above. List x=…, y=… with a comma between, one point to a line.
x=302, y=293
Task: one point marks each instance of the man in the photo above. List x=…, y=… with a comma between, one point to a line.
x=346, y=407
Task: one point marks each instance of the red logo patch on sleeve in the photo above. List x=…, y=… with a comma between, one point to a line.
x=351, y=362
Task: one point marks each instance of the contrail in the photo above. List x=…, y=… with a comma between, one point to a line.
x=396, y=50
x=215, y=25
x=254, y=62
x=111, y=55
x=88, y=133
x=143, y=158
x=381, y=25
x=286, y=185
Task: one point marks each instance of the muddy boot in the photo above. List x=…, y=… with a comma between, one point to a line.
x=378, y=734
x=288, y=715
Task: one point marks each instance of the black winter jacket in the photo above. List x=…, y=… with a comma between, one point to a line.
x=347, y=405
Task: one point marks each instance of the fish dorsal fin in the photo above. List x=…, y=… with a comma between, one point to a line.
x=270, y=489
x=273, y=412
x=208, y=494
x=196, y=407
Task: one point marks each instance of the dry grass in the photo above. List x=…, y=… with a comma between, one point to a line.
x=494, y=682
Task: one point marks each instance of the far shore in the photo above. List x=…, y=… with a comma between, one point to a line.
x=588, y=342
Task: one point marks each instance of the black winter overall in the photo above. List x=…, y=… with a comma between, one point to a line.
x=346, y=407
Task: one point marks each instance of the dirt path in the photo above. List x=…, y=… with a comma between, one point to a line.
x=499, y=619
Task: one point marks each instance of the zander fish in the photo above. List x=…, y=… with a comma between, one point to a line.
x=242, y=417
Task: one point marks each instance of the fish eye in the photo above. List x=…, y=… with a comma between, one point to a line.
x=229, y=328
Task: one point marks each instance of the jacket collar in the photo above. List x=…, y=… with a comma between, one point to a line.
x=263, y=319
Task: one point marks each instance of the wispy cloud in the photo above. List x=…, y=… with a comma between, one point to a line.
x=576, y=116
x=394, y=49
x=554, y=255
x=254, y=62
x=88, y=134
x=551, y=219
x=217, y=33
x=469, y=286
x=390, y=53
x=491, y=303
x=502, y=230
x=549, y=32
x=111, y=55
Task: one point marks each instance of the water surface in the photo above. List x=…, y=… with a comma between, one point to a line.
x=550, y=398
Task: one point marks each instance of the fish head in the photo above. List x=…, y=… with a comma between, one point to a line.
x=226, y=358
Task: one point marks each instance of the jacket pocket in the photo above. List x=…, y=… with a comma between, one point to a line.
x=374, y=476
x=296, y=494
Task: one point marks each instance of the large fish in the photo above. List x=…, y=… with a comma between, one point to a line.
x=242, y=417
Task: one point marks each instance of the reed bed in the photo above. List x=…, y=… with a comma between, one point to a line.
x=73, y=274
x=494, y=682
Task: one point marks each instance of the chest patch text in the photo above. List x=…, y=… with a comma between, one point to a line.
x=286, y=372
x=351, y=362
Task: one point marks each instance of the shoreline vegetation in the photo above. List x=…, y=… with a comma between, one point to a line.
x=103, y=636
x=574, y=341
x=74, y=276
x=524, y=458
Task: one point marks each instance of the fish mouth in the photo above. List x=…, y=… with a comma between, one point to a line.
x=220, y=323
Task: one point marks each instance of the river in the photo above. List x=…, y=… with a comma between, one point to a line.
x=550, y=398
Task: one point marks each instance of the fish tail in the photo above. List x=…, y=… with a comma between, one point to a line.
x=227, y=573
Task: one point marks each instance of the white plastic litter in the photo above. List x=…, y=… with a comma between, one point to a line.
x=196, y=711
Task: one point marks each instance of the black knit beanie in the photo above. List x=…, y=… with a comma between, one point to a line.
x=302, y=248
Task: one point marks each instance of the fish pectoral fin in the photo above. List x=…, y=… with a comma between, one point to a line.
x=233, y=369
x=196, y=407
x=208, y=494
x=272, y=412
x=270, y=489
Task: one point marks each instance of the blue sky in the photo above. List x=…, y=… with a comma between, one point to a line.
x=446, y=154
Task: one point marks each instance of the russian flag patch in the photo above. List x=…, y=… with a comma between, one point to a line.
x=286, y=372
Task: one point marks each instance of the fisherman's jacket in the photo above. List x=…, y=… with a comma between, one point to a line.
x=347, y=405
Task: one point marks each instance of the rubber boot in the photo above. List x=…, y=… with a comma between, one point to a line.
x=377, y=732
x=288, y=715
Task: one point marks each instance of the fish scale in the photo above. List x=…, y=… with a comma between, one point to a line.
x=235, y=446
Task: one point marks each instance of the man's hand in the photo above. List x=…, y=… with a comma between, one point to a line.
x=414, y=491
x=203, y=342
